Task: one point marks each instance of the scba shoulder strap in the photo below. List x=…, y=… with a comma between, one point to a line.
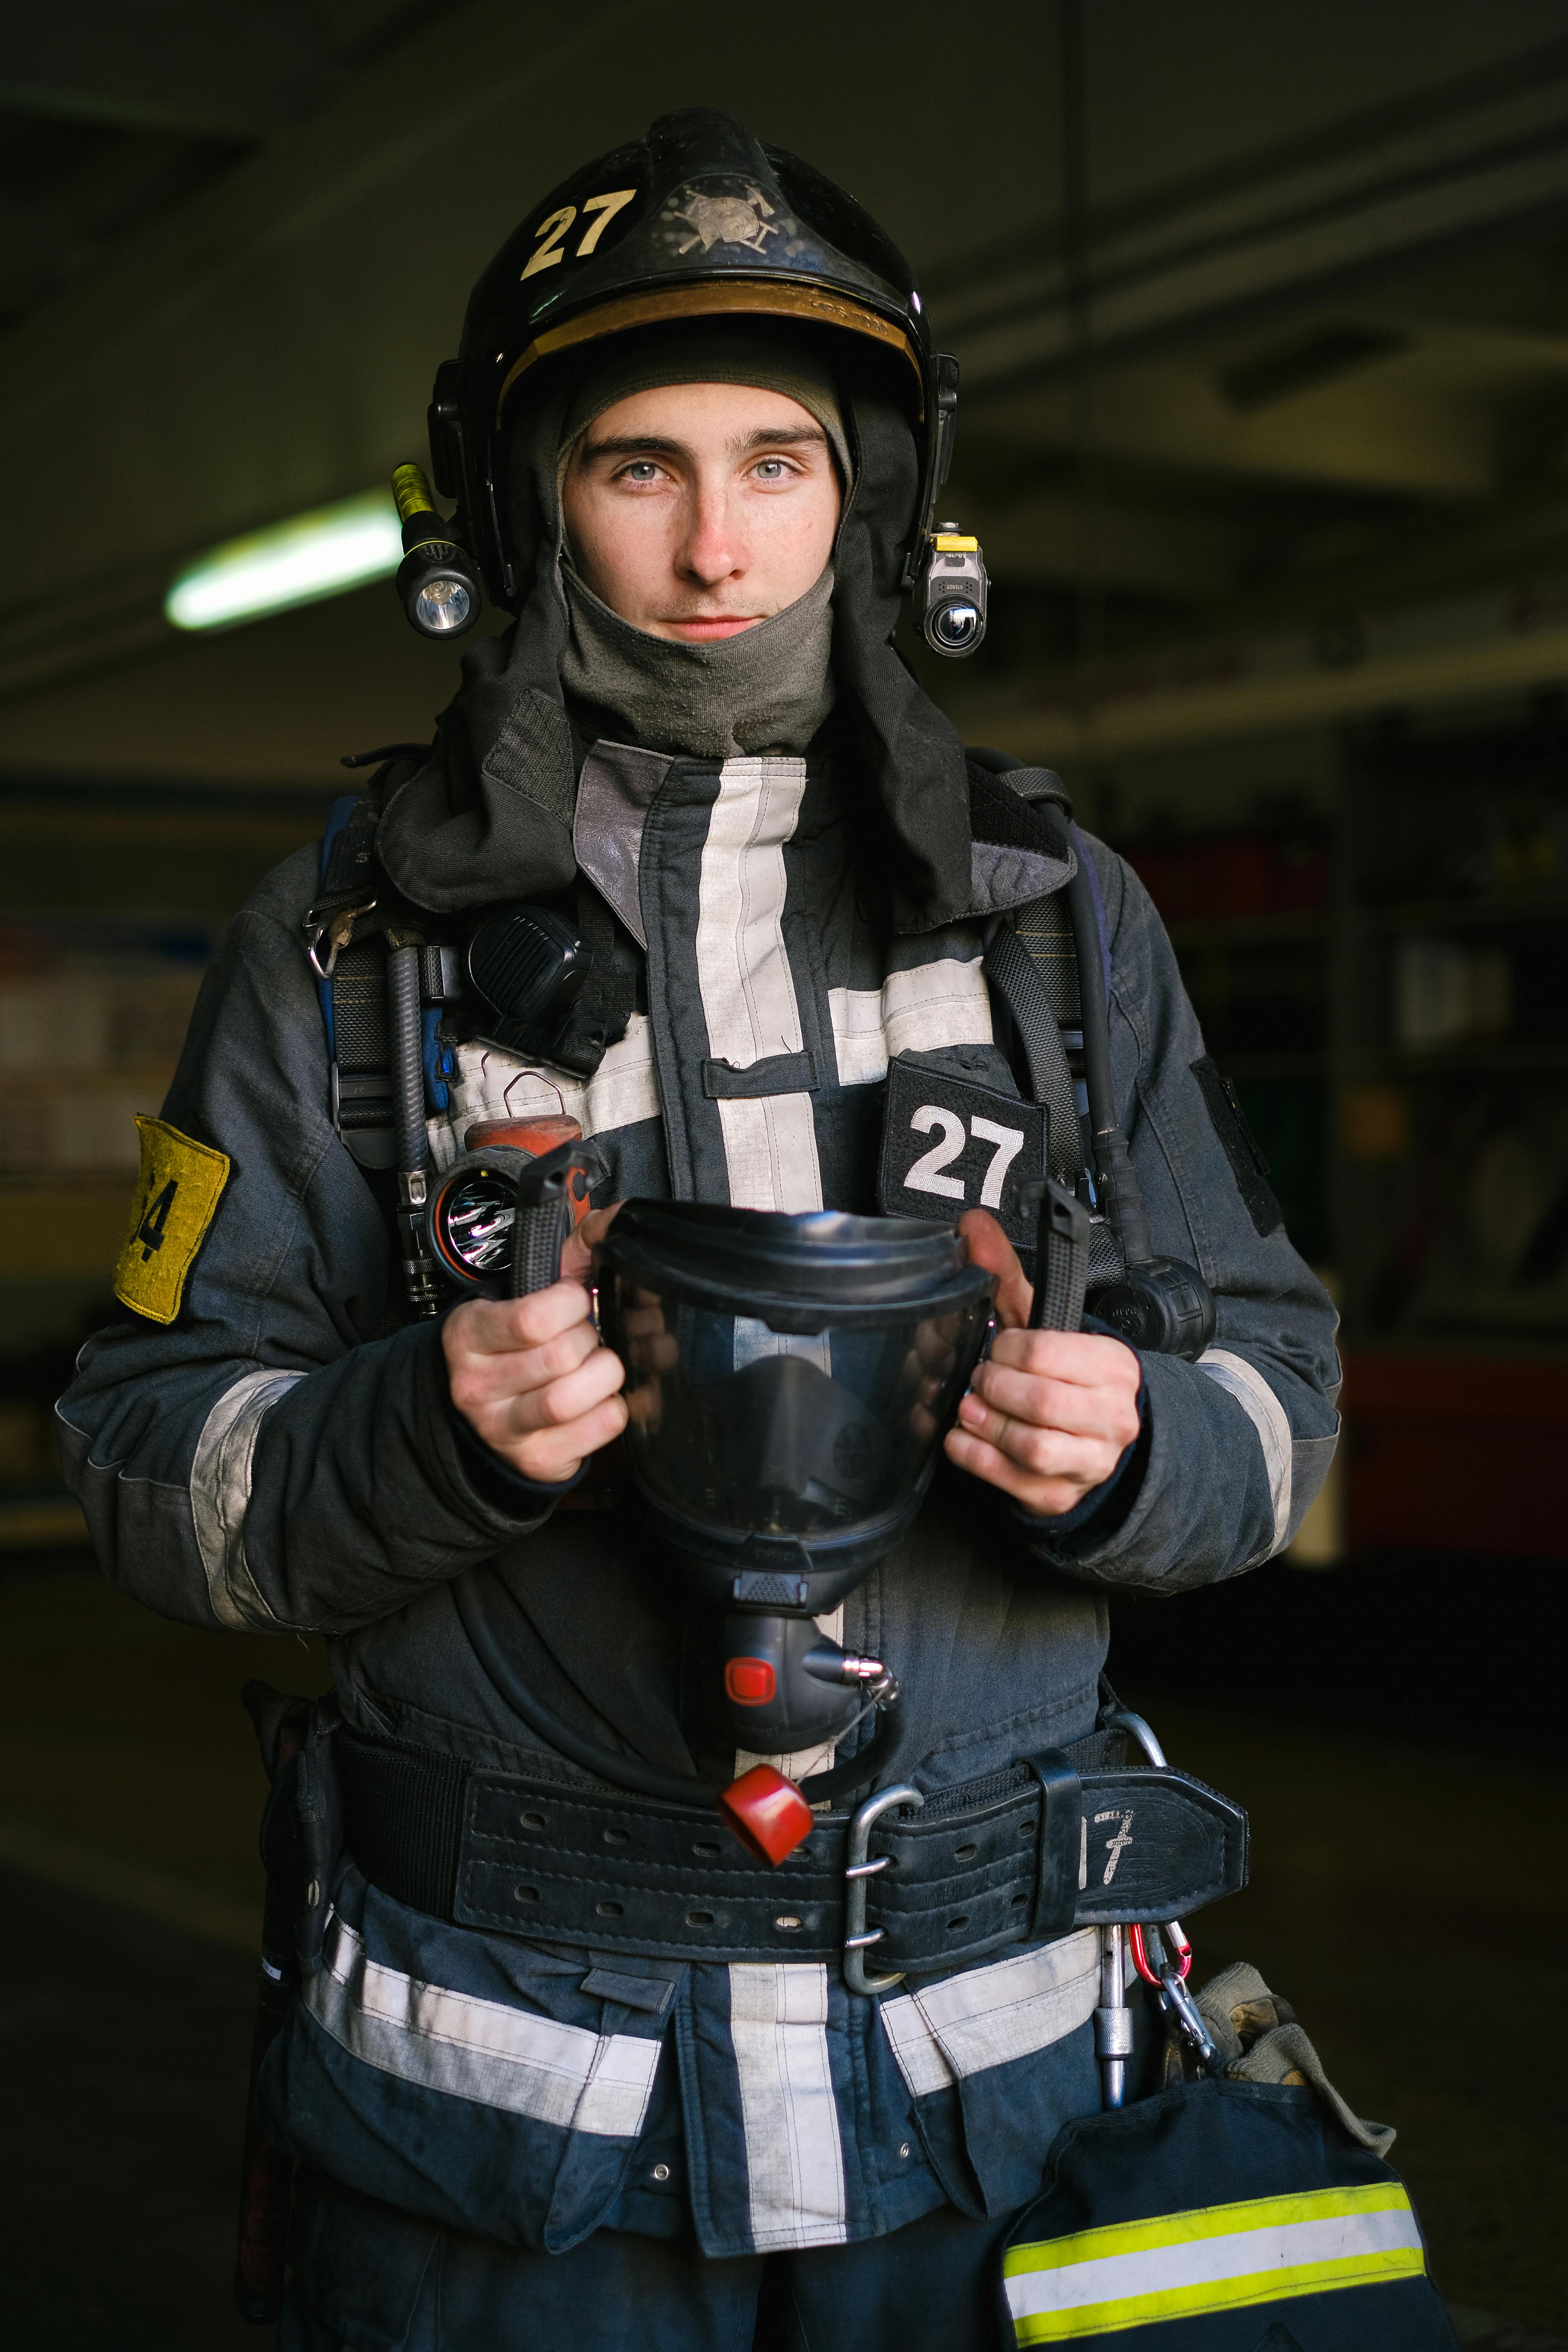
x=355, y=918
x=1034, y=966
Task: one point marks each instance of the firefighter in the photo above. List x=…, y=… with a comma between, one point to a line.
x=697, y=433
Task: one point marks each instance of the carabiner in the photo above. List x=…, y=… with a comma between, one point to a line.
x=337, y=933
x=1173, y=1932
x=1190, y=2019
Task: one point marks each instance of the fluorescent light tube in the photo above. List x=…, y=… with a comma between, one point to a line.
x=294, y=563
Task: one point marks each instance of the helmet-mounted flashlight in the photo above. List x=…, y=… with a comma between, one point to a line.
x=438, y=579
x=950, y=593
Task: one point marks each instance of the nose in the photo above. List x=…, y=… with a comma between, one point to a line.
x=711, y=549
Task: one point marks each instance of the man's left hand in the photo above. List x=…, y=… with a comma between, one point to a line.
x=1049, y=1415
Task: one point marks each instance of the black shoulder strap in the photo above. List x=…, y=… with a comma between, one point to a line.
x=354, y=918
x=1010, y=968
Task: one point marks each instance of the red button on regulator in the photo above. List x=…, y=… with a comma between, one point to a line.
x=750, y=1682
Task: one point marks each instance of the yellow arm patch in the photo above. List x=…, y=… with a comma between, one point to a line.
x=177, y=1193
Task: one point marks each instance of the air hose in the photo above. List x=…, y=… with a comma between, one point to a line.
x=411, y=1135
x=407, y=1061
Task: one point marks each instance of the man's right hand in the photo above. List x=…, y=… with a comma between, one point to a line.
x=532, y=1378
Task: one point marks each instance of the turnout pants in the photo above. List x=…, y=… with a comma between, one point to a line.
x=366, y=2278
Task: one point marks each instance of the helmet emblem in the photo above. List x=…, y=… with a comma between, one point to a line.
x=727, y=220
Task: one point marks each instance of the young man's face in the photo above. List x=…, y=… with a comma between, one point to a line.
x=698, y=510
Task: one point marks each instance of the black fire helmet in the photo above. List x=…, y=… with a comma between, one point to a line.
x=699, y=220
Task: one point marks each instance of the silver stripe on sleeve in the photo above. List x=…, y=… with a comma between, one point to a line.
x=220, y=1494
x=484, y=2051
x=943, y=1003
x=745, y=982
x=986, y=2017
x=794, y=2158
x=1252, y=1392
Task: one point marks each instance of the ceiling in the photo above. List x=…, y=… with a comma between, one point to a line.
x=1263, y=314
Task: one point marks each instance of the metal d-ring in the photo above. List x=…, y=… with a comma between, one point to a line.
x=858, y=1868
x=1125, y=1720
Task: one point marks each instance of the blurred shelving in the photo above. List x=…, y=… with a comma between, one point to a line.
x=1385, y=981
x=112, y=900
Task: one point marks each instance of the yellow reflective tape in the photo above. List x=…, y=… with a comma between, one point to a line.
x=1284, y=2285
x=177, y=1192
x=1204, y=2221
x=949, y=543
x=1216, y=2258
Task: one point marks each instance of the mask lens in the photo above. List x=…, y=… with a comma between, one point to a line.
x=781, y=1432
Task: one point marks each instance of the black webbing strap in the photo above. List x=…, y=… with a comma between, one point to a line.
x=407, y=1805
x=1010, y=968
x=360, y=1029
x=1062, y=1262
x=351, y=870
x=1045, y=928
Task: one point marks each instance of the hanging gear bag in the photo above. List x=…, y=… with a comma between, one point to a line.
x=1246, y=2210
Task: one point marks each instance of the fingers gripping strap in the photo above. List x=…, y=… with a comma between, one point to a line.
x=1062, y=1262
x=1010, y=968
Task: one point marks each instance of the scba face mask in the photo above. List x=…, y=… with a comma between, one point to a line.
x=789, y=1380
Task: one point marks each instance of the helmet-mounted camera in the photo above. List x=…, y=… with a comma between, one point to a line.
x=950, y=594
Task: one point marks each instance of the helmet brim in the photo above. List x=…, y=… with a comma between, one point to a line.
x=805, y=303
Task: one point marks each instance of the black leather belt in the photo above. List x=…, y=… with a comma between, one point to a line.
x=1071, y=1838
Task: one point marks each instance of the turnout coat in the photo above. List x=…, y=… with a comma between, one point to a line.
x=265, y=1442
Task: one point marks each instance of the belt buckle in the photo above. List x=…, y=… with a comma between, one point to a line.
x=858, y=1868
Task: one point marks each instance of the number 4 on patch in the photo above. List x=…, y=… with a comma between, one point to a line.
x=150, y=1231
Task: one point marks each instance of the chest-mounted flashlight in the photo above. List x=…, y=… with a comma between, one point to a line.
x=496, y=1217
x=950, y=593
x=437, y=578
